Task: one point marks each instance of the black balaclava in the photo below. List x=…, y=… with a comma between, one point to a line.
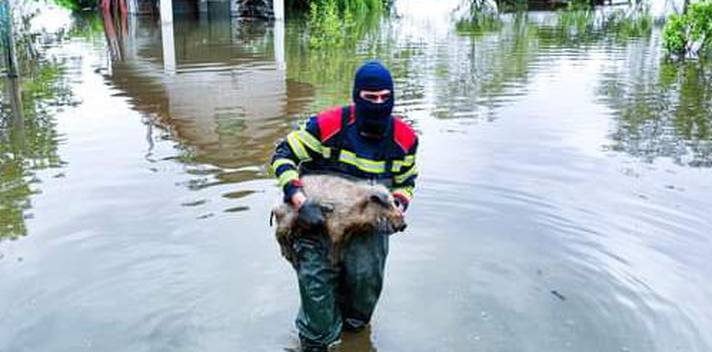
x=372, y=118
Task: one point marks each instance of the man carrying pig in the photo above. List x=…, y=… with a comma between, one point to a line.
x=362, y=141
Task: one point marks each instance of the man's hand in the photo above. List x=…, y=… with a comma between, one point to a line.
x=298, y=199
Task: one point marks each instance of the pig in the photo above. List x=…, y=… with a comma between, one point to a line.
x=343, y=208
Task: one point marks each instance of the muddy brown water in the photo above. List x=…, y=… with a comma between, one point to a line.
x=563, y=204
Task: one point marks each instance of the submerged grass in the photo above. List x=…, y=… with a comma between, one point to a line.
x=581, y=22
x=478, y=21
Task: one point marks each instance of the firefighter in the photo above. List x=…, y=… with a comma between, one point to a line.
x=362, y=141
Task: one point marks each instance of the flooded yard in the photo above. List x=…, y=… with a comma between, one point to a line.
x=563, y=202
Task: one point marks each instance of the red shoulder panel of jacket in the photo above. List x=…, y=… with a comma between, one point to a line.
x=329, y=121
x=403, y=134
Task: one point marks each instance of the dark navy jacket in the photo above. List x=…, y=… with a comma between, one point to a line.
x=324, y=145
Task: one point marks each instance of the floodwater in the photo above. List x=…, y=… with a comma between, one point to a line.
x=563, y=204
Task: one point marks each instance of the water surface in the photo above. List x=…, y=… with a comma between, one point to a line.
x=563, y=203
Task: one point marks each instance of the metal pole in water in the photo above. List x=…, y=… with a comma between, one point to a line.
x=133, y=7
x=278, y=8
x=169, y=50
x=166, y=11
x=278, y=33
x=131, y=38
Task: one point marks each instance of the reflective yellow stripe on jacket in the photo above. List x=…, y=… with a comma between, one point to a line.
x=402, y=178
x=301, y=141
x=279, y=162
x=297, y=147
x=408, y=161
x=363, y=164
x=287, y=176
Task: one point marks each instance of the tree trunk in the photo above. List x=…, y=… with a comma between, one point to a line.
x=8, y=39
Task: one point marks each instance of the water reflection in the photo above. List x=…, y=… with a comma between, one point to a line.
x=28, y=139
x=116, y=31
x=489, y=69
x=228, y=100
x=525, y=234
x=661, y=109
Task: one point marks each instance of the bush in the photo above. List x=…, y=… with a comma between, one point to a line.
x=675, y=35
x=690, y=34
x=336, y=23
x=76, y=5
x=325, y=24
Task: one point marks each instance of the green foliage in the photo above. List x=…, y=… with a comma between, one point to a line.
x=350, y=5
x=88, y=26
x=42, y=85
x=327, y=67
x=338, y=23
x=675, y=35
x=512, y=5
x=360, y=6
x=324, y=24
x=28, y=137
x=700, y=22
x=580, y=5
x=690, y=33
x=576, y=20
x=76, y=5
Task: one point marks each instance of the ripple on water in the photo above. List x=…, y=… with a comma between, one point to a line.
x=526, y=234
x=565, y=249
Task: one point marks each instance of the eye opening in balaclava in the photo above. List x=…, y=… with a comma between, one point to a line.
x=372, y=118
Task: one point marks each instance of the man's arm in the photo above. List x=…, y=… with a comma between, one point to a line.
x=404, y=178
x=299, y=146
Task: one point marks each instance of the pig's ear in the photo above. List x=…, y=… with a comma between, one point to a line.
x=379, y=198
